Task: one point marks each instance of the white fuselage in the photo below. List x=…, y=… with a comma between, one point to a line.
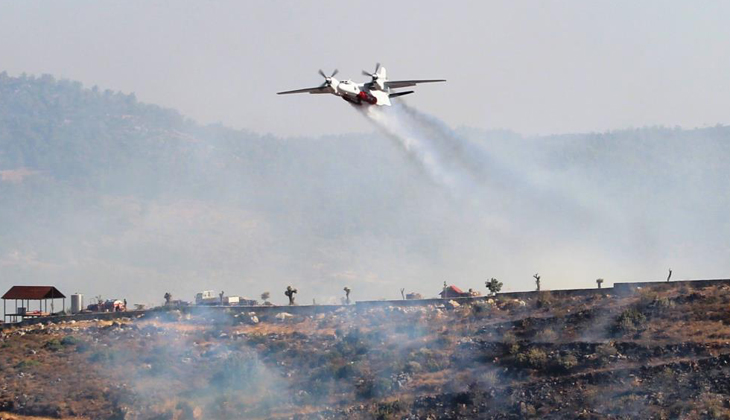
x=358, y=93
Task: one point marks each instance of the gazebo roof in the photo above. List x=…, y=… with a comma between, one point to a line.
x=33, y=293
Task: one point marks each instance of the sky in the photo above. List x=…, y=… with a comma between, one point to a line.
x=531, y=67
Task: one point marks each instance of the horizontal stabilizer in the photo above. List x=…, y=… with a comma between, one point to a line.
x=394, y=95
x=397, y=84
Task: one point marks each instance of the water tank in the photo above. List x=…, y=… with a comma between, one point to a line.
x=77, y=303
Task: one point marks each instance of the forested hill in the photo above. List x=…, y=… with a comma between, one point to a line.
x=102, y=194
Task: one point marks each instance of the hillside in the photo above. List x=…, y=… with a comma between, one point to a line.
x=659, y=352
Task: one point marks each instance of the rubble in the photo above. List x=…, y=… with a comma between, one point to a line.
x=283, y=316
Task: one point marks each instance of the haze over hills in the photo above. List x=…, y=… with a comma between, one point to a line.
x=104, y=195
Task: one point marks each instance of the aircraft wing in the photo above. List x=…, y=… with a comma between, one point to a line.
x=395, y=84
x=318, y=89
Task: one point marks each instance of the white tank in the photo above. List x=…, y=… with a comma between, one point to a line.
x=77, y=303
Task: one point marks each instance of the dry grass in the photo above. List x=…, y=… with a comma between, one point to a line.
x=165, y=368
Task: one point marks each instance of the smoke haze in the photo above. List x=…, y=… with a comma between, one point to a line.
x=104, y=195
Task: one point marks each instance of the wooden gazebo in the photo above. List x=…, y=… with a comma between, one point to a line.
x=26, y=294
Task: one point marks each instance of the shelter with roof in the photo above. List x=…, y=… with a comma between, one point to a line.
x=26, y=294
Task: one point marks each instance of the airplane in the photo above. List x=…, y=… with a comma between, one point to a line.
x=377, y=91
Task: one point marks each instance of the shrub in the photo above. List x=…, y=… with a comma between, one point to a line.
x=369, y=387
x=346, y=371
x=387, y=410
x=82, y=347
x=69, y=340
x=101, y=356
x=663, y=303
x=712, y=406
x=430, y=360
x=651, y=300
x=509, y=338
x=605, y=352
x=568, y=362
x=630, y=321
x=27, y=363
x=53, y=345
x=527, y=410
x=413, y=367
x=547, y=335
x=534, y=358
x=544, y=300
x=489, y=379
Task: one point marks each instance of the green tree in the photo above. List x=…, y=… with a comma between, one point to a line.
x=494, y=286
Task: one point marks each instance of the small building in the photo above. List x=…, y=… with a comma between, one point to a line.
x=231, y=300
x=206, y=297
x=26, y=294
x=453, y=292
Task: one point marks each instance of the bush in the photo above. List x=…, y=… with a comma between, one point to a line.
x=387, y=410
x=509, y=338
x=82, y=347
x=430, y=360
x=53, y=345
x=534, y=358
x=103, y=356
x=413, y=367
x=547, y=335
x=369, y=387
x=605, y=352
x=568, y=362
x=630, y=321
x=489, y=379
x=69, y=340
x=544, y=300
x=27, y=363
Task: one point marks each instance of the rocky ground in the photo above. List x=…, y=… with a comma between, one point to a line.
x=650, y=354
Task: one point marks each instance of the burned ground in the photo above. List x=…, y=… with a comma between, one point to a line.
x=651, y=354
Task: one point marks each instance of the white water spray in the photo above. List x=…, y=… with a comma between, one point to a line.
x=427, y=142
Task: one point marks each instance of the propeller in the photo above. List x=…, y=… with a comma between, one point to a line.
x=328, y=79
x=373, y=75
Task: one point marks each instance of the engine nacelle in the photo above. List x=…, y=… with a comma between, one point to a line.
x=367, y=97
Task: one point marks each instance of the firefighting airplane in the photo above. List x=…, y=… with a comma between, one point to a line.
x=375, y=92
